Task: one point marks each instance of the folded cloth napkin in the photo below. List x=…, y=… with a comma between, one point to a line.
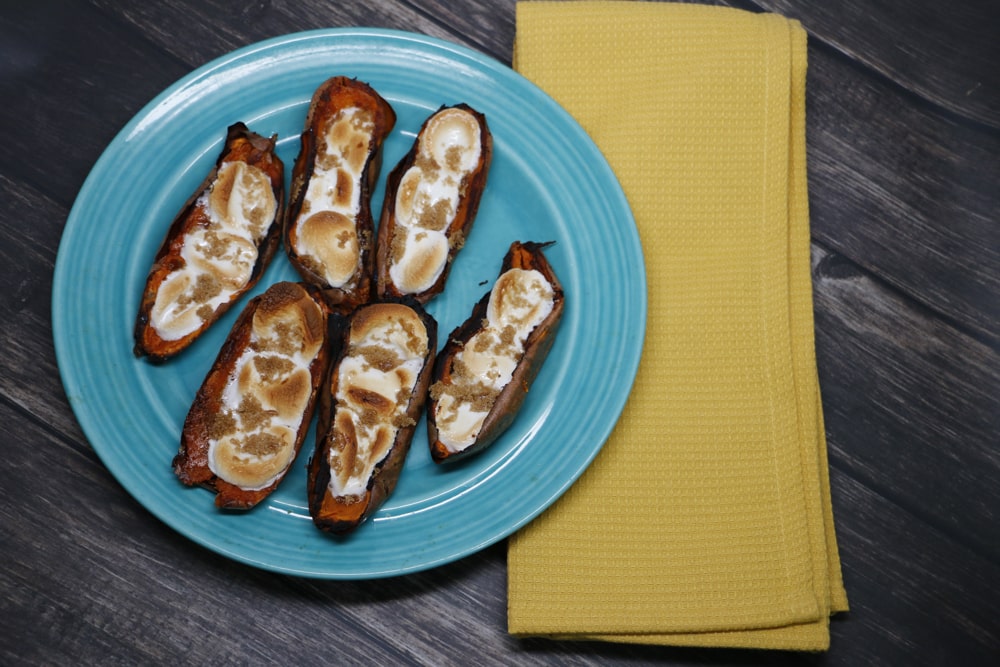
x=705, y=519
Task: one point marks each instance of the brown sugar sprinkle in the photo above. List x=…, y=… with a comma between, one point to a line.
x=403, y=395
x=455, y=241
x=220, y=424
x=408, y=190
x=518, y=299
x=403, y=421
x=258, y=221
x=398, y=245
x=368, y=417
x=358, y=467
x=478, y=395
x=436, y=216
x=205, y=312
x=377, y=357
x=257, y=215
x=427, y=165
x=438, y=389
x=343, y=238
x=271, y=368
x=482, y=343
x=289, y=338
x=483, y=402
x=215, y=247
x=206, y=286
x=514, y=293
x=508, y=335
x=453, y=158
x=415, y=342
x=285, y=339
x=252, y=414
x=262, y=444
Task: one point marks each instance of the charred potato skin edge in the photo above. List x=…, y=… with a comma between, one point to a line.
x=333, y=94
x=260, y=154
x=465, y=216
x=386, y=474
x=191, y=462
x=508, y=404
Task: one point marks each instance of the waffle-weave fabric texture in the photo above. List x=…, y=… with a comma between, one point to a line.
x=706, y=518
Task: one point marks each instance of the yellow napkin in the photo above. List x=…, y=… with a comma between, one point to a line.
x=706, y=518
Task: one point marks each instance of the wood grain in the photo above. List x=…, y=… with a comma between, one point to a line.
x=954, y=67
x=906, y=394
x=903, y=112
x=898, y=189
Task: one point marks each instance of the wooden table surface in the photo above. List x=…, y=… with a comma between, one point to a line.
x=904, y=166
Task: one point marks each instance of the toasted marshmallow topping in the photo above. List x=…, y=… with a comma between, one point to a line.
x=219, y=256
x=326, y=234
x=519, y=302
x=375, y=380
x=252, y=439
x=427, y=198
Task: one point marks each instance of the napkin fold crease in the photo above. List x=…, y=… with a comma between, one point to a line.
x=706, y=518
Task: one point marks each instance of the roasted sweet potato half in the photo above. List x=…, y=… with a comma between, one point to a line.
x=329, y=232
x=369, y=411
x=486, y=368
x=251, y=414
x=217, y=247
x=431, y=200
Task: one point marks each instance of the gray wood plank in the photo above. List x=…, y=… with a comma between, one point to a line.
x=910, y=403
x=943, y=52
x=916, y=597
x=29, y=376
x=906, y=193
x=71, y=91
x=194, y=34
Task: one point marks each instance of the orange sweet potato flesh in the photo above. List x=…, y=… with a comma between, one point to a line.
x=342, y=514
x=458, y=230
x=536, y=348
x=330, y=97
x=191, y=464
x=241, y=145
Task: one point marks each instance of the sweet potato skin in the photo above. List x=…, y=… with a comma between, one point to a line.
x=526, y=256
x=334, y=515
x=333, y=94
x=190, y=465
x=240, y=144
x=459, y=229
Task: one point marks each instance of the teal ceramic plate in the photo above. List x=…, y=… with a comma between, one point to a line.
x=548, y=183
